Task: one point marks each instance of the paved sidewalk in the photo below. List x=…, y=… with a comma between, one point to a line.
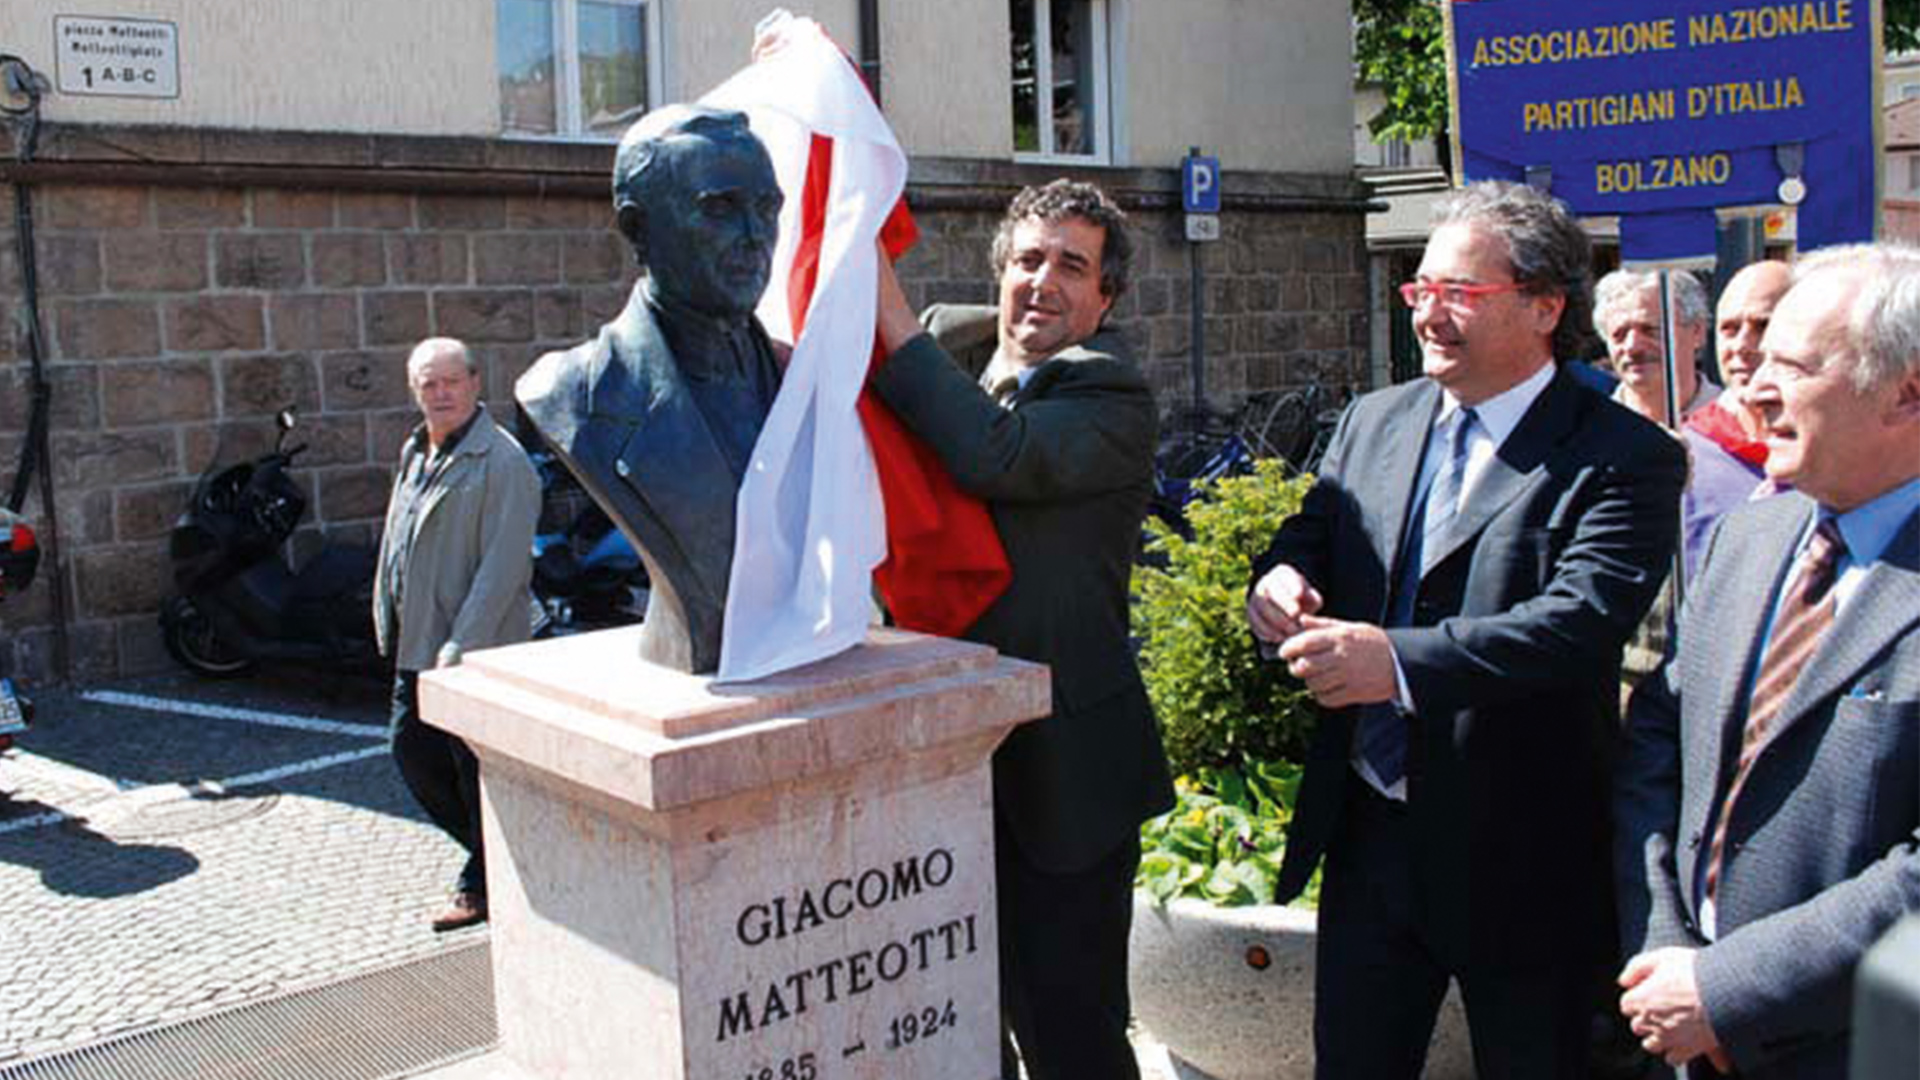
x=138, y=888
x=171, y=847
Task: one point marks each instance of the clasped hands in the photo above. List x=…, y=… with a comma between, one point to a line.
x=1342, y=663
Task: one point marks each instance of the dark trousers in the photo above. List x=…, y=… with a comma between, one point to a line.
x=1063, y=965
x=1378, y=983
x=443, y=775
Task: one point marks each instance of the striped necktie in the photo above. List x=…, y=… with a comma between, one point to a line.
x=1443, y=499
x=1383, y=729
x=1804, y=617
x=1001, y=381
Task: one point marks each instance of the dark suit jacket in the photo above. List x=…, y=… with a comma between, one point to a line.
x=1066, y=472
x=618, y=412
x=1513, y=658
x=1823, y=849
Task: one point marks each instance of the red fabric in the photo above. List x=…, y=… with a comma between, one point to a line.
x=1724, y=428
x=945, y=564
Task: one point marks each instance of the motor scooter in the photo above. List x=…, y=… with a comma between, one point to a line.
x=19, y=558
x=239, y=603
x=586, y=573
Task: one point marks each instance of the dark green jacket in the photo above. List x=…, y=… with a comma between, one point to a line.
x=1067, y=472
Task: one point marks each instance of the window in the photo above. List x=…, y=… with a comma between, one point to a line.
x=576, y=68
x=1060, y=89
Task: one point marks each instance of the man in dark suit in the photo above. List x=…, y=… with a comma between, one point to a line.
x=658, y=415
x=1768, y=807
x=1455, y=590
x=1058, y=437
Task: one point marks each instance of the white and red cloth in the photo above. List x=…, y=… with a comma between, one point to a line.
x=811, y=530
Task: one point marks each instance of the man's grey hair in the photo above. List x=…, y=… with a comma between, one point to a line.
x=1882, y=320
x=441, y=346
x=1547, y=249
x=1056, y=202
x=1625, y=286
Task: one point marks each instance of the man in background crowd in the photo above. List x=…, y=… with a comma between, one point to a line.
x=1626, y=312
x=1736, y=449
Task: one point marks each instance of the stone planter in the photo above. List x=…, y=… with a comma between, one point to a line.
x=1229, y=992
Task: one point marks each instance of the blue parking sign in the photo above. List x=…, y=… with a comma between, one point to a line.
x=1200, y=185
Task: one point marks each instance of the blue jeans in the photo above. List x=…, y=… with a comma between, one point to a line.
x=443, y=775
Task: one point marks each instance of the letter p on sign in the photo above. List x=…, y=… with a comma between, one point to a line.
x=1200, y=185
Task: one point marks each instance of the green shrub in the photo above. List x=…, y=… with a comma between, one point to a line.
x=1217, y=701
x=1236, y=726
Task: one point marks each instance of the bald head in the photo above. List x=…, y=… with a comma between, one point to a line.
x=1741, y=320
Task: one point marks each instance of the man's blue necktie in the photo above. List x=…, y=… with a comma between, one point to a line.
x=1383, y=730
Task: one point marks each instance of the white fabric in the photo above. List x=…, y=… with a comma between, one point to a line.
x=811, y=528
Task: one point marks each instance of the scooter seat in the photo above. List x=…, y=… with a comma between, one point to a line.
x=334, y=570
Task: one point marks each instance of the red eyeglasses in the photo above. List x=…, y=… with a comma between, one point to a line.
x=1454, y=295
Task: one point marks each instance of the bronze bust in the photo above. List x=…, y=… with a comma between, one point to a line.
x=658, y=414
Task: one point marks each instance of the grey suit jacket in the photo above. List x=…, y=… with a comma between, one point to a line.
x=1512, y=659
x=1823, y=848
x=467, y=563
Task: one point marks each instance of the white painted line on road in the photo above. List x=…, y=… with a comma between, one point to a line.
x=157, y=793
x=228, y=712
x=59, y=772
x=268, y=776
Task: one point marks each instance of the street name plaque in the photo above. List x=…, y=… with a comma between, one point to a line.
x=789, y=879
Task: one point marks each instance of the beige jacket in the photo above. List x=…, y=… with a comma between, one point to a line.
x=471, y=560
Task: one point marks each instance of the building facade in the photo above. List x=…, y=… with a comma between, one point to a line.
x=239, y=207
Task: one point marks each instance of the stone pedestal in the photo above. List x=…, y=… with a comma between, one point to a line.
x=789, y=879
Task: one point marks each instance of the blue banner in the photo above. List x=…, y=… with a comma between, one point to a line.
x=1662, y=110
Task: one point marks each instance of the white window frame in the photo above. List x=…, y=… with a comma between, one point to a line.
x=567, y=121
x=1104, y=42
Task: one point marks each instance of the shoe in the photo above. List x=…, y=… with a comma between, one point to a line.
x=464, y=909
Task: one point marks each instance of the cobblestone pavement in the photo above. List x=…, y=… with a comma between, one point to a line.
x=169, y=847
x=160, y=859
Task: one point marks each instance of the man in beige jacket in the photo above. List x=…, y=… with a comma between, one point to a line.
x=455, y=560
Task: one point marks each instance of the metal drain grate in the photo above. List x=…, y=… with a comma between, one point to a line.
x=394, y=1021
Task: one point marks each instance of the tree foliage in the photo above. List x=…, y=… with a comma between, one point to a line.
x=1400, y=45
x=1901, y=29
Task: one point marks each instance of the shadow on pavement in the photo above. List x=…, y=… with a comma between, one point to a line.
x=99, y=867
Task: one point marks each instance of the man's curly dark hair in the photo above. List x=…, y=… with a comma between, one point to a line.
x=1061, y=199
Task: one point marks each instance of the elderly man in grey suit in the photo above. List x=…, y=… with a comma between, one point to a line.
x=455, y=558
x=1768, y=806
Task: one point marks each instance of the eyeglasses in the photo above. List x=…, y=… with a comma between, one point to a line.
x=1453, y=295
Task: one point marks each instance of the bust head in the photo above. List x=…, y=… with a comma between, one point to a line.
x=694, y=193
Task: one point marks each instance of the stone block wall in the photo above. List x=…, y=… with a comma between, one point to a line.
x=178, y=320
x=181, y=312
